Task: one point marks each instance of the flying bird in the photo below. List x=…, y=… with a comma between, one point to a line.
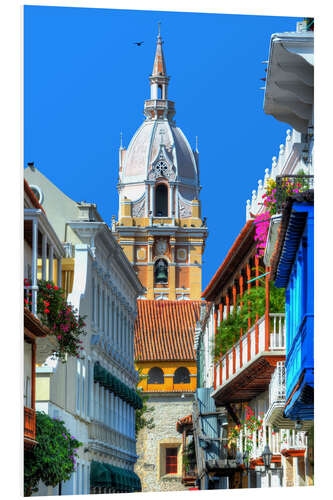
x=138, y=43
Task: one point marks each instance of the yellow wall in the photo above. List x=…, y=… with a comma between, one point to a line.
x=169, y=368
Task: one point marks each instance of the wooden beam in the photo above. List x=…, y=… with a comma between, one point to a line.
x=232, y=413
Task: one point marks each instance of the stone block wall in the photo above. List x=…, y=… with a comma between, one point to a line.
x=151, y=443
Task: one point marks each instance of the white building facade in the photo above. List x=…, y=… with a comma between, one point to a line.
x=95, y=396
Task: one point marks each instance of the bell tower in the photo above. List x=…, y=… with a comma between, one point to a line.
x=159, y=222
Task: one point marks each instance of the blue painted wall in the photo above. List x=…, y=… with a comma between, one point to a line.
x=300, y=315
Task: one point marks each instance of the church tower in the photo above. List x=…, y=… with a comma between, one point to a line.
x=159, y=222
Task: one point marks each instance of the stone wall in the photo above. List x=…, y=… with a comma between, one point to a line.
x=151, y=443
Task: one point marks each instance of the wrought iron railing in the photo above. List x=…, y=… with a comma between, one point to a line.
x=289, y=185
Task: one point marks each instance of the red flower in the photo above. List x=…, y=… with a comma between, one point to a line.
x=46, y=311
x=48, y=286
x=55, y=287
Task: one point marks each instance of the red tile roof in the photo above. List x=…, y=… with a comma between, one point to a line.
x=183, y=421
x=164, y=330
x=234, y=251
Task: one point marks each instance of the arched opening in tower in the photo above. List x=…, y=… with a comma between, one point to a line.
x=161, y=271
x=161, y=193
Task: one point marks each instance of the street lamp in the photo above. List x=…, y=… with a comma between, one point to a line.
x=267, y=457
x=246, y=459
x=239, y=458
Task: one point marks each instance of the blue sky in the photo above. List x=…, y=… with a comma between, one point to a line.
x=85, y=81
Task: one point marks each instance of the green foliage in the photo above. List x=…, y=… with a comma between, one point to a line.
x=61, y=318
x=53, y=459
x=251, y=304
x=249, y=425
x=189, y=456
x=142, y=418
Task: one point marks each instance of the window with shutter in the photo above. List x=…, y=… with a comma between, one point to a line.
x=171, y=460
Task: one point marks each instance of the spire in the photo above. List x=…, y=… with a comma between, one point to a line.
x=158, y=107
x=159, y=79
x=159, y=68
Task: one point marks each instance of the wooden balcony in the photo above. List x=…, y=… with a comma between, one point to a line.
x=29, y=427
x=246, y=369
x=189, y=475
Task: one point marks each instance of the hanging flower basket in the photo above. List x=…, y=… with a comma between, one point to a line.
x=61, y=318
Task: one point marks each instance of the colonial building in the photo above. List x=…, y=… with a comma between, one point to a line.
x=268, y=365
x=164, y=333
x=39, y=239
x=96, y=397
x=159, y=225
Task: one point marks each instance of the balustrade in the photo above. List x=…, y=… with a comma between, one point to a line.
x=283, y=439
x=245, y=348
x=277, y=386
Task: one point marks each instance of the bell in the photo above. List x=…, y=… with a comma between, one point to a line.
x=161, y=276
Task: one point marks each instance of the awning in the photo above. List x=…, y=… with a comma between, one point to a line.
x=113, y=384
x=99, y=475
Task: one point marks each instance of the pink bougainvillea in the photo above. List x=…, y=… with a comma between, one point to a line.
x=262, y=226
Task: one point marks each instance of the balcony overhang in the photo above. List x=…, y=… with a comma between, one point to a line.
x=289, y=83
x=250, y=381
x=275, y=416
x=44, y=227
x=272, y=237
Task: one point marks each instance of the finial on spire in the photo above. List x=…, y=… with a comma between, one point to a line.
x=159, y=29
x=196, y=144
x=121, y=140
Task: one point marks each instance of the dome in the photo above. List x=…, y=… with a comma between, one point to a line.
x=158, y=151
x=145, y=147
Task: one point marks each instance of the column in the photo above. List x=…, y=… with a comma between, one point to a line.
x=112, y=411
x=170, y=201
x=44, y=256
x=96, y=398
x=95, y=301
x=146, y=200
x=176, y=201
x=107, y=407
x=50, y=263
x=152, y=198
x=105, y=313
x=113, y=321
x=102, y=404
x=34, y=265
x=59, y=271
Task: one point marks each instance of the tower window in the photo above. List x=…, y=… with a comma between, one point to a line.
x=181, y=376
x=155, y=376
x=161, y=271
x=161, y=204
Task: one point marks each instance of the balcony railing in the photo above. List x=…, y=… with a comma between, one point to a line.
x=288, y=185
x=278, y=442
x=29, y=423
x=98, y=431
x=277, y=386
x=252, y=344
x=189, y=471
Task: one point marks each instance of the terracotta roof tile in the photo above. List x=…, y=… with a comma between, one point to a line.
x=184, y=421
x=164, y=330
